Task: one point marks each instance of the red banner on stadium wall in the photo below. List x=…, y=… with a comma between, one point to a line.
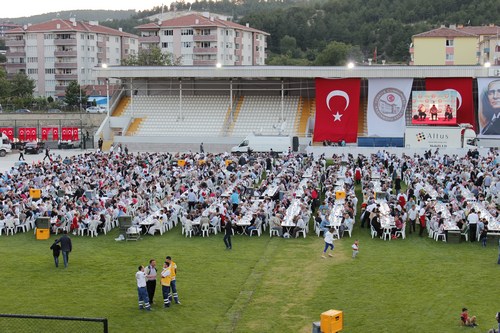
x=74, y=135
x=69, y=133
x=31, y=133
x=9, y=131
x=46, y=133
x=337, y=106
x=66, y=133
x=465, y=103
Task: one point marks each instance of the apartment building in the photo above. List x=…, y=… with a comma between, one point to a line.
x=56, y=52
x=204, y=40
x=456, y=45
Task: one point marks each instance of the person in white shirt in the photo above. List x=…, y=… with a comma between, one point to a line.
x=412, y=218
x=140, y=277
x=328, y=242
x=472, y=218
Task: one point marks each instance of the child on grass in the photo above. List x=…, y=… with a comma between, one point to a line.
x=355, y=249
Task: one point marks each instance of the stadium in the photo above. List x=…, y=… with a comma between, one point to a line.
x=265, y=283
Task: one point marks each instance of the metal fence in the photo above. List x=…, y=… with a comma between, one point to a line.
x=18, y=323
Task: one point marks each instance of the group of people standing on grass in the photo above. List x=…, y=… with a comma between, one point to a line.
x=147, y=278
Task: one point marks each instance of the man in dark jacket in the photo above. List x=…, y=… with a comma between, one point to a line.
x=66, y=247
x=56, y=250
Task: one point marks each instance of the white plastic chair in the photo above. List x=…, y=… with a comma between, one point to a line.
x=10, y=226
x=440, y=235
x=401, y=232
x=373, y=232
x=301, y=231
x=274, y=232
x=92, y=230
x=205, y=229
x=258, y=229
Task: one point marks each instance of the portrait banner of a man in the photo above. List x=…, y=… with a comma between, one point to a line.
x=489, y=106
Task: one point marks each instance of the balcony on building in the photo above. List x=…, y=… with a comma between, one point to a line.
x=60, y=88
x=149, y=39
x=15, y=53
x=15, y=65
x=15, y=42
x=205, y=50
x=70, y=65
x=71, y=53
x=64, y=41
x=204, y=62
x=66, y=77
x=205, y=38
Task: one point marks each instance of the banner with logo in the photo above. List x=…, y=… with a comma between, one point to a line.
x=337, y=107
x=434, y=107
x=463, y=89
x=66, y=133
x=9, y=131
x=46, y=133
x=489, y=106
x=387, y=102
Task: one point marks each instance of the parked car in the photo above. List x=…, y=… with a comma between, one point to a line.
x=34, y=147
x=94, y=109
x=68, y=144
x=22, y=111
x=54, y=111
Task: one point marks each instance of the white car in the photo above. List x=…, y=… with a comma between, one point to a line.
x=94, y=109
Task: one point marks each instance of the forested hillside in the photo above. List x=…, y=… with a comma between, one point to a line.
x=319, y=32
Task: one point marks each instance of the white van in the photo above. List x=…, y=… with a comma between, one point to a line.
x=264, y=143
x=5, y=145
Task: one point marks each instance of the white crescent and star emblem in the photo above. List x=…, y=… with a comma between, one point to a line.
x=459, y=97
x=340, y=93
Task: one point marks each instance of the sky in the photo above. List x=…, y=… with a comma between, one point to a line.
x=20, y=8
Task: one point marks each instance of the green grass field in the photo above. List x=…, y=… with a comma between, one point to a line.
x=262, y=285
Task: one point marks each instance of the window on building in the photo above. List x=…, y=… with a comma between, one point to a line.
x=32, y=70
x=32, y=59
x=186, y=44
x=50, y=70
x=117, y=39
x=237, y=34
x=117, y=50
x=164, y=45
x=229, y=45
x=168, y=32
x=237, y=46
x=48, y=36
x=449, y=42
x=186, y=32
x=449, y=56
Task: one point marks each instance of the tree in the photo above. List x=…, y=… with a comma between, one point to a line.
x=151, y=57
x=4, y=85
x=288, y=45
x=334, y=54
x=22, y=86
x=73, y=93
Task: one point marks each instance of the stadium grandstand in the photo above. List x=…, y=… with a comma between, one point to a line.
x=220, y=106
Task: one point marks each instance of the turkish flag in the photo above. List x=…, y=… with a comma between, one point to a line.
x=66, y=133
x=9, y=131
x=55, y=133
x=337, y=106
x=22, y=134
x=75, y=134
x=45, y=133
x=465, y=103
x=31, y=133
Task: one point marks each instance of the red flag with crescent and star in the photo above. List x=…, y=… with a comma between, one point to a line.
x=465, y=100
x=337, y=106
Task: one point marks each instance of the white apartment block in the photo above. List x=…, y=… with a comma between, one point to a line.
x=56, y=52
x=203, y=40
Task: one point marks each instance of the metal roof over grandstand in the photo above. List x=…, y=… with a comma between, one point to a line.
x=311, y=72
